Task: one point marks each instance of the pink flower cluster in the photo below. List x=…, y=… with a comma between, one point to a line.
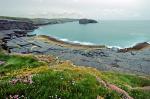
x=26, y=80
x=16, y=97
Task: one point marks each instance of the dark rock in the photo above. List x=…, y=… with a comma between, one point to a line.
x=31, y=35
x=87, y=54
x=115, y=49
x=115, y=65
x=13, y=24
x=117, y=60
x=133, y=53
x=20, y=33
x=94, y=54
x=6, y=38
x=141, y=45
x=87, y=21
x=138, y=46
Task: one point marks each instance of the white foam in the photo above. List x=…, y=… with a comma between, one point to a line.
x=77, y=42
x=89, y=43
x=114, y=47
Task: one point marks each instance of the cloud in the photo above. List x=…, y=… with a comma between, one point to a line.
x=118, y=14
x=57, y=13
x=105, y=9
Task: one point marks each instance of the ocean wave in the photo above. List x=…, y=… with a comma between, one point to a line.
x=77, y=42
x=148, y=42
x=89, y=43
x=85, y=43
x=118, y=47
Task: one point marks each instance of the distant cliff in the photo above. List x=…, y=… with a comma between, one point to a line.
x=15, y=24
x=87, y=21
x=15, y=21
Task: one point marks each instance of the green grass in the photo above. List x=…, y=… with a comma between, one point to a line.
x=125, y=79
x=64, y=84
x=64, y=80
x=15, y=62
x=138, y=94
x=15, y=18
x=38, y=21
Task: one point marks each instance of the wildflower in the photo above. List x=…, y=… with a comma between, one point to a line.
x=26, y=80
x=14, y=81
x=22, y=96
x=16, y=96
x=56, y=96
x=73, y=82
x=2, y=62
x=10, y=96
x=30, y=80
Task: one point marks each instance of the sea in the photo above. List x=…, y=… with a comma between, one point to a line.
x=112, y=33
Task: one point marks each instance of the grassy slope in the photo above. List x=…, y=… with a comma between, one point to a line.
x=62, y=80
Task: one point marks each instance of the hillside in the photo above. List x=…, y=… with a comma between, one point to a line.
x=47, y=68
x=47, y=77
x=39, y=21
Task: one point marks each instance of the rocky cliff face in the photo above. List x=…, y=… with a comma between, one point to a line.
x=87, y=21
x=10, y=29
x=13, y=24
x=13, y=28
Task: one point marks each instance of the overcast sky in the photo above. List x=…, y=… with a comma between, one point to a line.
x=99, y=9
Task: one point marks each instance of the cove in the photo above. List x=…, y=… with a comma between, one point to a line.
x=120, y=34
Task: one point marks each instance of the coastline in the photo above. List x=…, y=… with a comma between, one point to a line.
x=54, y=32
x=67, y=44
x=33, y=24
x=129, y=60
x=136, y=47
x=104, y=59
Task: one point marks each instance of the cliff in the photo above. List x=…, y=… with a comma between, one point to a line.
x=87, y=21
x=14, y=24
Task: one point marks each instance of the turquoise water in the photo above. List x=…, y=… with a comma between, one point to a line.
x=111, y=33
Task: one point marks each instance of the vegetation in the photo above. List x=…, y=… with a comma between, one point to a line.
x=38, y=21
x=15, y=18
x=26, y=77
x=126, y=79
x=15, y=62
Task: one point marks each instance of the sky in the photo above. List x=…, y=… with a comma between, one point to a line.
x=98, y=9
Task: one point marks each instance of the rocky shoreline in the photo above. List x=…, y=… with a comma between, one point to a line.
x=12, y=27
x=16, y=39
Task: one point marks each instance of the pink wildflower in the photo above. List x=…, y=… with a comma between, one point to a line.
x=16, y=96
x=2, y=62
